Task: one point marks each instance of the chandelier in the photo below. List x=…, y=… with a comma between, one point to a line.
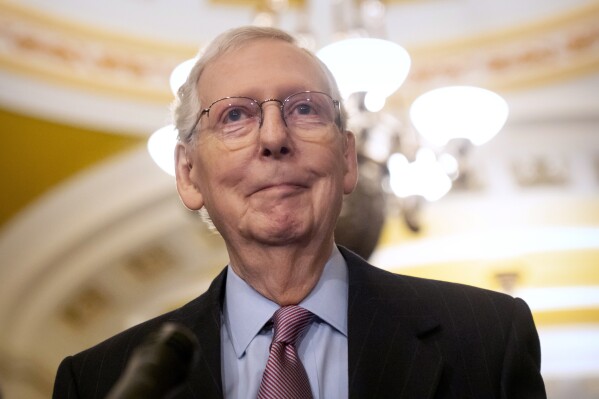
x=411, y=152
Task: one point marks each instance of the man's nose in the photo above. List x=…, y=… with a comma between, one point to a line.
x=274, y=133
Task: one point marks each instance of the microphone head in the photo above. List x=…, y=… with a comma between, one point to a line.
x=161, y=363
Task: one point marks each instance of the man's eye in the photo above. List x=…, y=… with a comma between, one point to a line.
x=234, y=115
x=305, y=109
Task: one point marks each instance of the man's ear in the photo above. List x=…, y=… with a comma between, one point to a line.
x=350, y=178
x=188, y=190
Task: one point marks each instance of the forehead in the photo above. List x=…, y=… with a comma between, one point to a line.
x=264, y=68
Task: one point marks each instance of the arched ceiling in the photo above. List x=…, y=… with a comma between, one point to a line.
x=93, y=238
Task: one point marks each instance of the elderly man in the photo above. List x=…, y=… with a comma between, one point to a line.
x=264, y=151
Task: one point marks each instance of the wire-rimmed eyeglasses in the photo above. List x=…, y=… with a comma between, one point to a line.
x=305, y=113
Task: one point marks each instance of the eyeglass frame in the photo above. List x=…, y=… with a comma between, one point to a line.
x=336, y=103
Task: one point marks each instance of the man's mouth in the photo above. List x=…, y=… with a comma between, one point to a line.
x=283, y=187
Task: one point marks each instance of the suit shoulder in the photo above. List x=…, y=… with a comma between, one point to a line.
x=122, y=343
x=453, y=289
x=436, y=292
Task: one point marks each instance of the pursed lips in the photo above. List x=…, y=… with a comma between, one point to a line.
x=283, y=187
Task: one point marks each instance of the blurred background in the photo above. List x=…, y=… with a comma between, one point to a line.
x=93, y=238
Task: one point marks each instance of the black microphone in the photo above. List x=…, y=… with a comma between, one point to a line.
x=159, y=365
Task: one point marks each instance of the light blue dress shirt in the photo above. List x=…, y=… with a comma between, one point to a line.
x=245, y=342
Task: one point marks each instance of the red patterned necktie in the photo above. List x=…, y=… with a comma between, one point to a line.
x=285, y=376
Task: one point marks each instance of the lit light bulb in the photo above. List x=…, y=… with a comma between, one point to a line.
x=468, y=112
x=424, y=177
x=374, y=102
x=161, y=146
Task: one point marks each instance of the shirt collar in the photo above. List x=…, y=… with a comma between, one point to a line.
x=246, y=311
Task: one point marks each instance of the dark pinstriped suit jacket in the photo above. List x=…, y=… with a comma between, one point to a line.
x=408, y=338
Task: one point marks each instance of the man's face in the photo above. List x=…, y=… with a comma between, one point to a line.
x=277, y=188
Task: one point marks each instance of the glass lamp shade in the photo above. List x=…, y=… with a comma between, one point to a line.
x=180, y=73
x=454, y=112
x=161, y=146
x=366, y=65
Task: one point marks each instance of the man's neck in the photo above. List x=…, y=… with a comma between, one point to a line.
x=286, y=274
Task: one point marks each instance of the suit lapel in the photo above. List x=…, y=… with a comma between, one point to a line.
x=203, y=316
x=391, y=349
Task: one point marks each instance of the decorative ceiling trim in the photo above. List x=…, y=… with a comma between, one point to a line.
x=31, y=16
x=61, y=52
x=526, y=57
x=34, y=44
x=256, y=3
x=515, y=33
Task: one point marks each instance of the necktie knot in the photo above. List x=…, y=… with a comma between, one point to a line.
x=289, y=324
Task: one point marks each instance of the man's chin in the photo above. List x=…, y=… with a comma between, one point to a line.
x=278, y=233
